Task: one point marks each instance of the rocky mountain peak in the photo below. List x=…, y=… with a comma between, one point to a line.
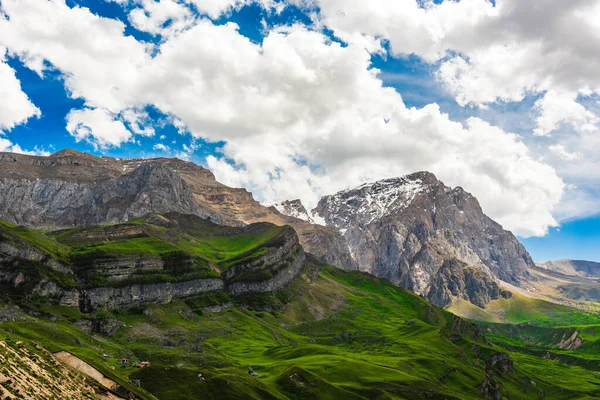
x=407, y=229
x=68, y=153
x=371, y=201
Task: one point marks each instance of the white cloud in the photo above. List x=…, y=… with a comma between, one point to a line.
x=138, y=121
x=97, y=126
x=302, y=116
x=15, y=107
x=556, y=108
x=161, y=147
x=509, y=48
x=96, y=59
x=8, y=146
x=164, y=17
x=560, y=151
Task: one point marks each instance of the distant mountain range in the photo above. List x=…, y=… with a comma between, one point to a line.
x=573, y=267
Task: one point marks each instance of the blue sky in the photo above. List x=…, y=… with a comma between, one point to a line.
x=304, y=99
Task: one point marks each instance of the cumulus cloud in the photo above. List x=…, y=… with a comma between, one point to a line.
x=15, y=107
x=161, y=147
x=560, y=151
x=164, y=17
x=97, y=126
x=556, y=108
x=8, y=146
x=301, y=115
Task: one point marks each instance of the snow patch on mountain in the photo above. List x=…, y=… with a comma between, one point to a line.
x=295, y=208
x=372, y=201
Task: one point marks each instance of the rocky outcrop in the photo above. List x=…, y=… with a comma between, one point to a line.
x=19, y=249
x=157, y=293
x=70, y=188
x=288, y=272
x=496, y=367
x=96, y=278
x=406, y=229
x=116, y=270
x=455, y=279
x=151, y=187
x=293, y=208
x=572, y=342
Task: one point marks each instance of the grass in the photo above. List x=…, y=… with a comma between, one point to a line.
x=19, y=235
x=346, y=335
x=520, y=309
x=188, y=248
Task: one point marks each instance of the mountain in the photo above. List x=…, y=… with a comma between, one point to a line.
x=176, y=306
x=70, y=188
x=573, y=267
x=427, y=237
x=413, y=230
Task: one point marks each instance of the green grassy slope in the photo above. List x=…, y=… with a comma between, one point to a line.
x=332, y=334
x=520, y=309
x=347, y=335
x=189, y=247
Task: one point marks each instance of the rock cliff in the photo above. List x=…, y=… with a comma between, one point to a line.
x=422, y=234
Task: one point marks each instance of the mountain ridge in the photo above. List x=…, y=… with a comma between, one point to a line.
x=571, y=267
x=404, y=229
x=69, y=188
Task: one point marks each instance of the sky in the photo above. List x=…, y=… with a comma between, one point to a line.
x=302, y=98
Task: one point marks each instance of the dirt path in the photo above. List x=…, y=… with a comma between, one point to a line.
x=82, y=366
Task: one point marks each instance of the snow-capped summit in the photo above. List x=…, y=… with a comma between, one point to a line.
x=372, y=201
x=295, y=208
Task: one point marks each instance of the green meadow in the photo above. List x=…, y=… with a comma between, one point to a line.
x=332, y=334
x=345, y=335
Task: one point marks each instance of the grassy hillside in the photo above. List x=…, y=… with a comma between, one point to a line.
x=346, y=335
x=331, y=334
x=175, y=248
x=519, y=309
x=160, y=235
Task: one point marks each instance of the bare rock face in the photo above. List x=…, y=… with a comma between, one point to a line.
x=150, y=187
x=70, y=188
x=422, y=234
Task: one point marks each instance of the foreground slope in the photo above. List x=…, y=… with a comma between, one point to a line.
x=326, y=333
x=322, y=337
